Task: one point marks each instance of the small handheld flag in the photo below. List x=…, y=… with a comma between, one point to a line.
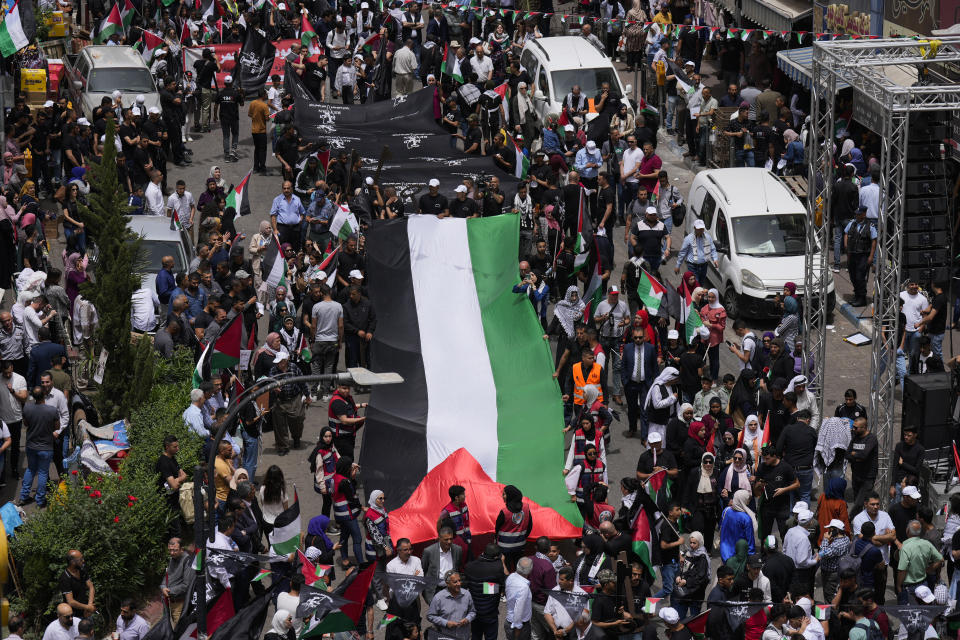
x=261, y=575
x=650, y=606
x=387, y=619
x=490, y=588
x=822, y=612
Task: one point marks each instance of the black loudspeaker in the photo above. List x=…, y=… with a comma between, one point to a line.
x=926, y=404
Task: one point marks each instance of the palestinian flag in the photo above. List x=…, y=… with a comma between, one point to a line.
x=344, y=223
x=263, y=573
x=347, y=616
x=222, y=353
x=689, y=316
x=198, y=559
x=594, y=293
x=441, y=279
x=175, y=222
x=111, y=24
x=821, y=611
x=285, y=537
x=127, y=14
x=309, y=572
x=644, y=539
x=652, y=605
x=387, y=619
x=207, y=8
x=581, y=249
x=451, y=64
x=521, y=163
x=239, y=197
x=370, y=45
x=697, y=624
x=655, y=483
x=307, y=33
x=148, y=44
x=956, y=459
x=184, y=33
x=651, y=292
x=563, y=120
x=490, y=588
x=304, y=349
x=18, y=28
x=329, y=258
x=504, y=92
x=273, y=265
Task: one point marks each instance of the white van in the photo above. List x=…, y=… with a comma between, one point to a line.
x=759, y=226
x=556, y=64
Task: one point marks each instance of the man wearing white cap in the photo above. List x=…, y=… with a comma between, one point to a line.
x=650, y=240
x=611, y=317
x=671, y=620
x=796, y=545
x=229, y=101
x=293, y=398
x=917, y=558
x=433, y=203
x=463, y=206
x=363, y=22
x=697, y=251
x=834, y=545
x=588, y=162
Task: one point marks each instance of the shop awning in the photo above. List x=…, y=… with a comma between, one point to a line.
x=775, y=15
x=798, y=65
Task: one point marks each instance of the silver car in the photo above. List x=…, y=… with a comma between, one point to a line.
x=99, y=70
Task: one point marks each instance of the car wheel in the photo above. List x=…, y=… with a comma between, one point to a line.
x=731, y=303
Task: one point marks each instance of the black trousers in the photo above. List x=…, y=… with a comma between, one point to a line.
x=259, y=152
x=858, y=266
x=289, y=233
x=16, y=430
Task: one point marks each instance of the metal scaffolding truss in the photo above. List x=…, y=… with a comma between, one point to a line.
x=870, y=67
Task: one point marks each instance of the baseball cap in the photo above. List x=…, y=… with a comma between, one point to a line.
x=364, y=5
x=369, y=180
x=568, y=127
x=355, y=273
x=281, y=356
x=912, y=492
x=606, y=575
x=48, y=104
x=689, y=63
x=837, y=524
x=673, y=334
x=654, y=437
x=924, y=595
x=116, y=94
x=698, y=224
x=591, y=145
x=461, y=188
x=862, y=209
x=651, y=210
x=241, y=274
x=141, y=98
x=744, y=105
x=669, y=615
x=800, y=507
x=154, y=110
x=614, y=289
x=806, y=516
x=754, y=561
x=228, y=78
x=434, y=182
x=83, y=122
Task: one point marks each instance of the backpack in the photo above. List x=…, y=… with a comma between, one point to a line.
x=851, y=560
x=872, y=632
x=756, y=356
x=186, y=502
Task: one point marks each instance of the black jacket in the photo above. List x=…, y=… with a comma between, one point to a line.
x=477, y=572
x=359, y=317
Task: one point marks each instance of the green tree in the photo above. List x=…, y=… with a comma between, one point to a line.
x=116, y=279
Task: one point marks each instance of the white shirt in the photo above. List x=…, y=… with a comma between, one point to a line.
x=274, y=95
x=561, y=618
x=133, y=630
x=335, y=39
x=747, y=346
x=182, y=205
x=631, y=158
x=611, y=328
x=446, y=561
x=870, y=198
x=154, y=200
x=519, y=599
x=404, y=61
x=481, y=67
x=31, y=325
x=55, y=631
x=143, y=309
x=10, y=408
x=882, y=524
x=411, y=568
x=912, y=306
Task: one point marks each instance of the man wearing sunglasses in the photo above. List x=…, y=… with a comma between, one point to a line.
x=637, y=371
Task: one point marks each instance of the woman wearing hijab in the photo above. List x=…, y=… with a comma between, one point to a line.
x=676, y=437
x=694, y=576
x=585, y=435
x=736, y=476
x=661, y=401
x=290, y=335
x=737, y=522
x=694, y=446
x=513, y=526
x=725, y=446
x=377, y=544
x=738, y=561
x=789, y=325
x=323, y=465
x=751, y=439
x=581, y=480
x=793, y=153
x=316, y=538
x=745, y=397
x=831, y=505
x=76, y=274
x=592, y=561
x=702, y=497
x=714, y=318
x=566, y=314
x=635, y=36
x=688, y=283
x=346, y=507
x=282, y=627
x=716, y=419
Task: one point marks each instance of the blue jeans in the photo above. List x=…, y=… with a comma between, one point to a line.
x=668, y=223
x=903, y=597
x=686, y=609
x=936, y=344
x=912, y=343
x=802, y=493
x=81, y=239
x=744, y=158
x=351, y=529
x=668, y=576
x=251, y=447
x=672, y=102
x=38, y=464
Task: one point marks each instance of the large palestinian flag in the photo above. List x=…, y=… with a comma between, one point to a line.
x=239, y=196
x=477, y=372
x=223, y=352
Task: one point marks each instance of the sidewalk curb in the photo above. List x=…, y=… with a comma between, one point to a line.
x=863, y=325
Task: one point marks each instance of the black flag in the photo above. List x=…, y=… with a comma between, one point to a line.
x=255, y=61
x=247, y=623
x=914, y=618
x=740, y=612
x=318, y=602
x=405, y=588
x=573, y=603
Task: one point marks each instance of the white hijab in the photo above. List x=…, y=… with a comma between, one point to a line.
x=279, y=624
x=716, y=304
x=749, y=435
x=741, y=502
x=665, y=375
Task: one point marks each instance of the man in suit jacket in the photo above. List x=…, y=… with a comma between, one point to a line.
x=925, y=361
x=41, y=356
x=437, y=559
x=638, y=370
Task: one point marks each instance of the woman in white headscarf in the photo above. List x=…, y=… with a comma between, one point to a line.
x=282, y=626
x=805, y=399
x=738, y=522
x=751, y=438
x=694, y=576
x=702, y=497
x=736, y=476
x=661, y=403
x=376, y=543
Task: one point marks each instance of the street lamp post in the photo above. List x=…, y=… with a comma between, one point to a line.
x=357, y=375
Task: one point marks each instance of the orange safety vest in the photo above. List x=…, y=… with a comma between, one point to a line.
x=579, y=382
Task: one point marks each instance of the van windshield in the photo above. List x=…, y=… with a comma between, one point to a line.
x=130, y=79
x=589, y=81
x=773, y=235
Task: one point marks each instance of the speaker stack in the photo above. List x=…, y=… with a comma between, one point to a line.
x=927, y=400
x=926, y=246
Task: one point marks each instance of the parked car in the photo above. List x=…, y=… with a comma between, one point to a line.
x=99, y=70
x=557, y=64
x=158, y=240
x=759, y=226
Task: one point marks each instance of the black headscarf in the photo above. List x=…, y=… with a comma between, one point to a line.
x=345, y=466
x=514, y=498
